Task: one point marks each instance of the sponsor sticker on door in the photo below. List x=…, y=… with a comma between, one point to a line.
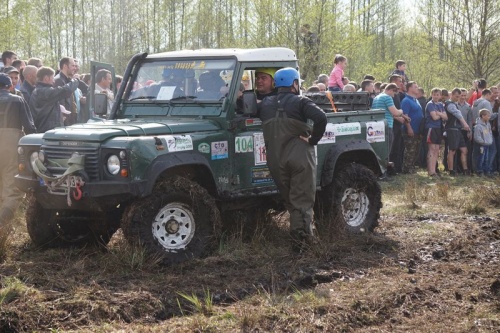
x=179, y=142
x=375, y=131
x=219, y=150
x=204, y=148
x=329, y=135
x=259, y=150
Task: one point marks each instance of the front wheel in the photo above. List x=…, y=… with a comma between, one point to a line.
x=352, y=201
x=61, y=228
x=178, y=221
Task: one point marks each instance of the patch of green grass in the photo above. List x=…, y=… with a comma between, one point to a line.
x=12, y=288
x=131, y=257
x=228, y=315
x=203, y=305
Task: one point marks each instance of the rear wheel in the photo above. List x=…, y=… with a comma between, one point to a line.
x=352, y=201
x=178, y=221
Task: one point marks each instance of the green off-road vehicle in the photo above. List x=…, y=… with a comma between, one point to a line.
x=182, y=152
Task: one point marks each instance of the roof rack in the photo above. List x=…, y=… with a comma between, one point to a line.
x=344, y=101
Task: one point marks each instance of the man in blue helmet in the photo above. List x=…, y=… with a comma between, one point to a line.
x=290, y=153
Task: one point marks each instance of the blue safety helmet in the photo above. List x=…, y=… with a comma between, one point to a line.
x=285, y=77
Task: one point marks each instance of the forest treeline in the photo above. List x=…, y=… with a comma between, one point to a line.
x=444, y=42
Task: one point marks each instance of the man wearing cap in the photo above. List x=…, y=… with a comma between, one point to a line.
x=15, y=120
x=290, y=142
x=13, y=73
x=264, y=83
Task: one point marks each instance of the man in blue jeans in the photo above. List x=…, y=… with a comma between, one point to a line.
x=483, y=139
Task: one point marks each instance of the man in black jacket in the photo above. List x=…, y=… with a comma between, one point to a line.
x=44, y=101
x=15, y=120
x=290, y=153
x=29, y=82
x=67, y=69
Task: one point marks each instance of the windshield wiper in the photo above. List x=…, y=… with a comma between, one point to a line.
x=183, y=98
x=142, y=97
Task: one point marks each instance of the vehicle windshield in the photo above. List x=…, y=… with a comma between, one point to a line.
x=183, y=80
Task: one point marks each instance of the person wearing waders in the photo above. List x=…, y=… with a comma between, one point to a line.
x=14, y=118
x=290, y=152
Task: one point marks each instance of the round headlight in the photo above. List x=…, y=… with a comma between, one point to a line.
x=34, y=156
x=113, y=164
x=20, y=150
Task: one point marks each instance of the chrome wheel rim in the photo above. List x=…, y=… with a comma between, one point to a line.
x=355, y=206
x=174, y=226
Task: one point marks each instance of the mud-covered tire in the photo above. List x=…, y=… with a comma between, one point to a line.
x=179, y=221
x=352, y=201
x=52, y=228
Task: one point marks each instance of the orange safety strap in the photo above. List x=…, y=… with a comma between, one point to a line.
x=330, y=98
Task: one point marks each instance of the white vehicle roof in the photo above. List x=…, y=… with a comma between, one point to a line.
x=263, y=54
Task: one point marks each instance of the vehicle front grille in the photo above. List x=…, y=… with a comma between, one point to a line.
x=61, y=152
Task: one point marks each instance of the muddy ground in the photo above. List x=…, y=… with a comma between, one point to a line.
x=433, y=265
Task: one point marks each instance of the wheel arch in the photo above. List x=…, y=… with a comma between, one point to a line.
x=359, y=152
x=189, y=165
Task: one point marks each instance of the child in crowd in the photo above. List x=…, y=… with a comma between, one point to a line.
x=400, y=70
x=483, y=139
x=435, y=115
x=336, y=76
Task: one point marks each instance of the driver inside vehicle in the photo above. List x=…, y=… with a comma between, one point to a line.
x=211, y=86
x=171, y=85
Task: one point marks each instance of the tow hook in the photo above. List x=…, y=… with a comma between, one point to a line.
x=77, y=192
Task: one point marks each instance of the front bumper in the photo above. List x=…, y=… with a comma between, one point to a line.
x=101, y=196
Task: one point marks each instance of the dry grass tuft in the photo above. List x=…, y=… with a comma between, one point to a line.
x=442, y=191
x=492, y=194
x=475, y=203
x=131, y=257
x=4, y=245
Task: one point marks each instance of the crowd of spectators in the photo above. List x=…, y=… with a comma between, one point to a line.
x=55, y=97
x=461, y=125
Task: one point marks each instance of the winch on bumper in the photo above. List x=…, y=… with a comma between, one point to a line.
x=95, y=196
x=73, y=183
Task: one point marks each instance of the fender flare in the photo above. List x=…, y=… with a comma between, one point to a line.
x=168, y=161
x=364, y=154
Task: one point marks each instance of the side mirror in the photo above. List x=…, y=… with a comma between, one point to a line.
x=249, y=103
x=100, y=104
